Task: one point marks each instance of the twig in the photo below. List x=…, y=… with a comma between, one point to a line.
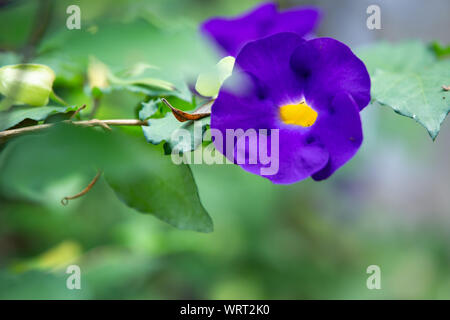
x=77, y=111
x=65, y=200
x=85, y=123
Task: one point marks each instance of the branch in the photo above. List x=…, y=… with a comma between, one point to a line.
x=85, y=123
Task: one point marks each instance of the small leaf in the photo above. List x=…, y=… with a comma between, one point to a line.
x=27, y=83
x=209, y=83
x=172, y=131
x=148, y=109
x=17, y=114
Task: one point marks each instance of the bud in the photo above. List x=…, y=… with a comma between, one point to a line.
x=209, y=83
x=98, y=74
x=27, y=83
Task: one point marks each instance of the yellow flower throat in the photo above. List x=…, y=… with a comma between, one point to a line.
x=298, y=114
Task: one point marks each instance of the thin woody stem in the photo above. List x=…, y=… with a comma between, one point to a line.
x=85, y=123
x=77, y=111
x=65, y=200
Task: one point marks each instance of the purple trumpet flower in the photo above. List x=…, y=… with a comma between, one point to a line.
x=311, y=91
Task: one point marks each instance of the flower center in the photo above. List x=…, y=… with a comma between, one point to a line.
x=299, y=114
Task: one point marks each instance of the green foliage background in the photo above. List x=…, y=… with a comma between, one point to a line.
x=389, y=206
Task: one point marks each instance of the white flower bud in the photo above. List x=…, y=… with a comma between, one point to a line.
x=27, y=83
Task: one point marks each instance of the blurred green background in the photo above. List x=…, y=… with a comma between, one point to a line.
x=389, y=206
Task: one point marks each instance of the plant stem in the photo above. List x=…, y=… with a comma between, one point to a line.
x=84, y=123
x=65, y=200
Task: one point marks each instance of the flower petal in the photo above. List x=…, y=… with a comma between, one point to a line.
x=268, y=60
x=340, y=132
x=244, y=109
x=329, y=66
x=297, y=160
x=232, y=34
x=300, y=21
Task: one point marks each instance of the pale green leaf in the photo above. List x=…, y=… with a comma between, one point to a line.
x=418, y=95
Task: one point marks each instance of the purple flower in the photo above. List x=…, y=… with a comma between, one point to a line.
x=232, y=34
x=311, y=91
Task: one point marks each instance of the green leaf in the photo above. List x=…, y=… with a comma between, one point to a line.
x=150, y=81
x=157, y=84
x=148, y=109
x=172, y=131
x=409, y=78
x=418, y=95
x=405, y=56
x=140, y=78
x=17, y=114
x=163, y=189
